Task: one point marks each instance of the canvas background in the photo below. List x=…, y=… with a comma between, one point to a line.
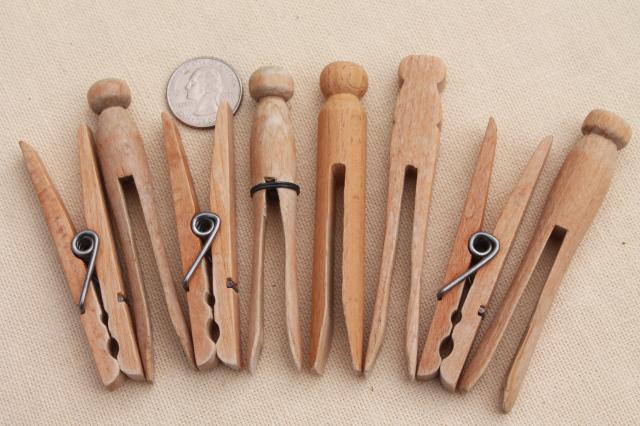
x=537, y=67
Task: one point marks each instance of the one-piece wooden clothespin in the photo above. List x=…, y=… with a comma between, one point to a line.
x=123, y=160
x=273, y=175
x=573, y=202
x=212, y=298
x=415, y=140
x=91, y=268
x=342, y=138
x=462, y=303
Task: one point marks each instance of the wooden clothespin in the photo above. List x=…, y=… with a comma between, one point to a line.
x=91, y=268
x=123, y=160
x=415, y=140
x=462, y=302
x=213, y=303
x=342, y=138
x=273, y=174
x=573, y=202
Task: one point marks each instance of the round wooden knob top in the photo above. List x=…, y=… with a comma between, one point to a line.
x=108, y=93
x=609, y=125
x=344, y=77
x=271, y=81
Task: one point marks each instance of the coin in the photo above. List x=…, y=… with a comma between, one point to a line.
x=198, y=86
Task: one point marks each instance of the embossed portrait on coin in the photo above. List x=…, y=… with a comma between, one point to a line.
x=205, y=87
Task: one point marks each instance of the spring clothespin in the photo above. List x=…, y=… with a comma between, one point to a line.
x=211, y=284
x=91, y=268
x=462, y=302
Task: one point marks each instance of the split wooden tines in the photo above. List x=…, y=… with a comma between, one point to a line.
x=462, y=303
x=105, y=315
x=212, y=285
x=342, y=138
x=273, y=172
x=415, y=140
x=572, y=203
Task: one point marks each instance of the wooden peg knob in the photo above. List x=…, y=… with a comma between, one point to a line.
x=608, y=125
x=271, y=81
x=107, y=93
x=344, y=77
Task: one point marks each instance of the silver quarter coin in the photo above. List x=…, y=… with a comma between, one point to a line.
x=197, y=88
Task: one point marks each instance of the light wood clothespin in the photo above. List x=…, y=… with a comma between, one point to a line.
x=94, y=277
x=212, y=299
x=463, y=302
x=415, y=140
x=123, y=160
x=273, y=174
x=573, y=202
x=342, y=138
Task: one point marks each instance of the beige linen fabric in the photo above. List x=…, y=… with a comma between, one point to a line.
x=537, y=67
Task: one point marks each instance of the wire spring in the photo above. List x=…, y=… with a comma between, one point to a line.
x=85, y=246
x=205, y=226
x=482, y=246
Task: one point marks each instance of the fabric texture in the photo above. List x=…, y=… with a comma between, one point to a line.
x=537, y=67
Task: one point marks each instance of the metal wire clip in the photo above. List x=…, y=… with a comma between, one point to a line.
x=85, y=246
x=483, y=246
x=205, y=226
